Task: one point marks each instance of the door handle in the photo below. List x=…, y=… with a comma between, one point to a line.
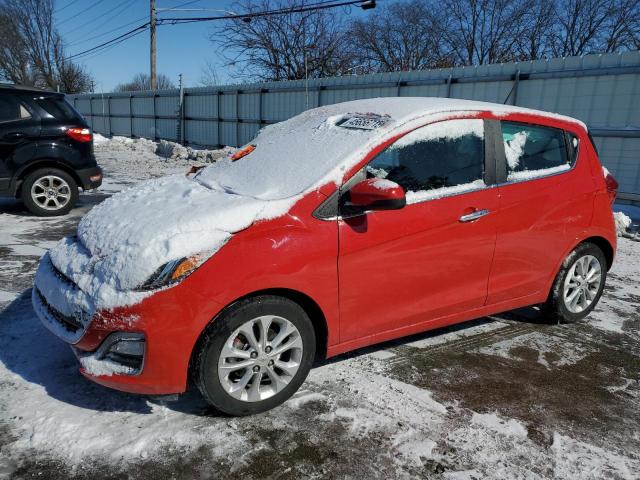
x=470, y=217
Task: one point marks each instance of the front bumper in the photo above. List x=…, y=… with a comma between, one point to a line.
x=169, y=321
x=90, y=178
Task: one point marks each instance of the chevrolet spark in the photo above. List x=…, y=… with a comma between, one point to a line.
x=345, y=226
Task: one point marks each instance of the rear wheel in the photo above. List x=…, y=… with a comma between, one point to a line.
x=578, y=285
x=49, y=191
x=255, y=356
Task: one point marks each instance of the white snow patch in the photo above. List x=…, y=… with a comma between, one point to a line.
x=104, y=367
x=575, y=459
x=302, y=398
x=383, y=184
x=623, y=222
x=542, y=172
x=514, y=149
x=99, y=139
x=436, y=193
x=509, y=427
x=450, y=130
x=552, y=351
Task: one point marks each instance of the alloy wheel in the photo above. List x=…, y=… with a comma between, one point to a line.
x=582, y=283
x=51, y=192
x=260, y=358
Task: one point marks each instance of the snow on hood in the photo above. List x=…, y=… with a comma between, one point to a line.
x=122, y=241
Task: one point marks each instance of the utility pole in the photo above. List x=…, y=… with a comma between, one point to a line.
x=152, y=50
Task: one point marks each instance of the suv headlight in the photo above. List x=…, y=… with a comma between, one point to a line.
x=172, y=272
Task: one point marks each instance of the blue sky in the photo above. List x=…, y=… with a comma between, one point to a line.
x=181, y=48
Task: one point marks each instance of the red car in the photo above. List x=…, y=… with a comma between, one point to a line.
x=345, y=226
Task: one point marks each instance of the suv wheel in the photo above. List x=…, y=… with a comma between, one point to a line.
x=255, y=356
x=578, y=285
x=49, y=191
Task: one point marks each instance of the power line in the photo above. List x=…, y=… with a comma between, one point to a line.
x=66, y=6
x=124, y=36
x=85, y=40
x=174, y=21
x=117, y=10
x=79, y=13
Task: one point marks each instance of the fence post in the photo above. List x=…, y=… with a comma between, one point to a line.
x=131, y=115
x=91, y=111
x=516, y=82
x=155, y=117
x=218, y=105
x=109, y=114
x=449, y=78
x=238, y=118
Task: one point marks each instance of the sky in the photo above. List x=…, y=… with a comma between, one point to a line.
x=181, y=48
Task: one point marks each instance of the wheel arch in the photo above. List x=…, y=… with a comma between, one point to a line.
x=604, y=245
x=310, y=306
x=39, y=164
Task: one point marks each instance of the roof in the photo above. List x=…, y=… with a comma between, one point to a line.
x=322, y=143
x=26, y=89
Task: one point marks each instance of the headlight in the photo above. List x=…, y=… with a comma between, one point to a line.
x=172, y=272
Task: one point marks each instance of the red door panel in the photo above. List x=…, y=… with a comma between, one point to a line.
x=401, y=267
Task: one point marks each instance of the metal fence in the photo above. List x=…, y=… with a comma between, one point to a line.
x=601, y=90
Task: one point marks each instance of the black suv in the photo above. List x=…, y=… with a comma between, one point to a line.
x=46, y=150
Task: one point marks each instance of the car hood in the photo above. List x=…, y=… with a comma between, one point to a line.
x=125, y=239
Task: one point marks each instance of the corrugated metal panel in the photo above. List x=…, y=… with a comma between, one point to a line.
x=601, y=90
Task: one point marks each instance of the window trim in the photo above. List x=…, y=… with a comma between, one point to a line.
x=501, y=164
x=24, y=106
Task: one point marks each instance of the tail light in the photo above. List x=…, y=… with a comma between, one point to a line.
x=79, y=134
x=612, y=186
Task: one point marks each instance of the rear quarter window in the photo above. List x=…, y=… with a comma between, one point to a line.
x=534, y=151
x=58, y=108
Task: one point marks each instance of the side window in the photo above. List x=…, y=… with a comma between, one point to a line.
x=436, y=160
x=11, y=110
x=535, y=151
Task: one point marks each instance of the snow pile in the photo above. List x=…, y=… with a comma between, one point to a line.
x=163, y=148
x=99, y=139
x=104, y=367
x=623, y=222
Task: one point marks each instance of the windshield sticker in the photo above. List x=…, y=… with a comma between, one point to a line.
x=369, y=121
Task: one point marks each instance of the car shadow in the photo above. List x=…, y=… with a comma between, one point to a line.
x=15, y=207
x=30, y=351
x=33, y=353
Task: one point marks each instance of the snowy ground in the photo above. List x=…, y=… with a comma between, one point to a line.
x=506, y=397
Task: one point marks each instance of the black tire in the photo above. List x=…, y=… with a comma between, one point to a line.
x=555, y=309
x=34, y=207
x=210, y=347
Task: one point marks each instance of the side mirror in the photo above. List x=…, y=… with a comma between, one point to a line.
x=376, y=194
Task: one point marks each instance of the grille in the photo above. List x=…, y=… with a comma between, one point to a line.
x=72, y=324
x=61, y=276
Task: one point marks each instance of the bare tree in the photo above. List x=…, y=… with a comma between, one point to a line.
x=287, y=46
x=402, y=36
x=142, y=81
x=484, y=31
x=209, y=75
x=534, y=40
x=32, y=51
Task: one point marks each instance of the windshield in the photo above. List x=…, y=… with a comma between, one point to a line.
x=290, y=157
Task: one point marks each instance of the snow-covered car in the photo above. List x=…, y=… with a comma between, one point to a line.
x=344, y=226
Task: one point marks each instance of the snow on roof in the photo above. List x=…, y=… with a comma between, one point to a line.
x=294, y=155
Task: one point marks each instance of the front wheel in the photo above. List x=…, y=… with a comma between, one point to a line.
x=255, y=355
x=578, y=285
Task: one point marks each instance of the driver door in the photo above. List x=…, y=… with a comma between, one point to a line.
x=432, y=258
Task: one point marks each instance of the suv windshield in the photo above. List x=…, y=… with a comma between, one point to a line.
x=58, y=108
